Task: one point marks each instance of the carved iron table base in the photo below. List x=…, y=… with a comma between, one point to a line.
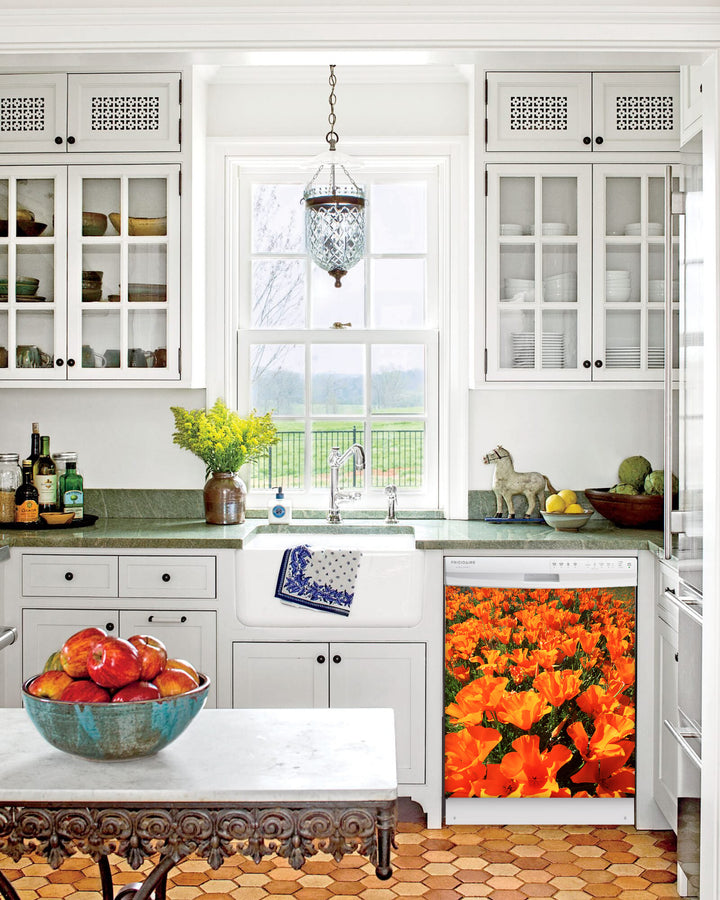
x=212, y=832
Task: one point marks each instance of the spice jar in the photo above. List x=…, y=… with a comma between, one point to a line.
x=10, y=479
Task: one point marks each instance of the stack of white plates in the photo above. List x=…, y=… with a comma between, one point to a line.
x=617, y=285
x=553, y=350
x=653, y=229
x=510, y=228
x=656, y=290
x=560, y=288
x=555, y=228
x=519, y=289
x=622, y=357
x=523, y=350
x=656, y=357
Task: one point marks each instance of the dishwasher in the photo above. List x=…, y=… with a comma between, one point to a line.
x=539, y=690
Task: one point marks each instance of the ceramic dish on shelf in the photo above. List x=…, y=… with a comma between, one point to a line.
x=555, y=228
x=567, y=521
x=30, y=229
x=94, y=224
x=510, y=229
x=147, y=293
x=140, y=227
x=36, y=298
x=57, y=518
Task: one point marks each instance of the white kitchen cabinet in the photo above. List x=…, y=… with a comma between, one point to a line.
x=667, y=751
x=575, y=273
x=343, y=675
x=105, y=304
x=81, y=113
x=558, y=111
x=69, y=575
x=167, y=576
x=690, y=102
x=187, y=634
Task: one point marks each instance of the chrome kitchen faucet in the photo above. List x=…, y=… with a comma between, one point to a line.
x=335, y=460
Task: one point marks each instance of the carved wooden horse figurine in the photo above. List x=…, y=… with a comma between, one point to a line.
x=507, y=482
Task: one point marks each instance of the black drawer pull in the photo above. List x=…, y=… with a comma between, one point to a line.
x=587, y=140
x=598, y=140
x=71, y=140
x=598, y=364
x=165, y=577
x=69, y=576
x=110, y=626
x=337, y=658
x=321, y=659
x=58, y=140
x=587, y=363
x=161, y=620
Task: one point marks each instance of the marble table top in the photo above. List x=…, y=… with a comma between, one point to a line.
x=224, y=756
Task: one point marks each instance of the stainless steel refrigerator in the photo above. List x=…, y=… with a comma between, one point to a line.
x=684, y=526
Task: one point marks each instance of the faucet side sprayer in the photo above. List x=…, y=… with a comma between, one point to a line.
x=335, y=461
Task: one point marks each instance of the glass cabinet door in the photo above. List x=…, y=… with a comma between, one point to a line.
x=629, y=288
x=539, y=273
x=124, y=272
x=32, y=273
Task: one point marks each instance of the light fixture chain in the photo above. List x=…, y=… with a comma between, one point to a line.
x=332, y=137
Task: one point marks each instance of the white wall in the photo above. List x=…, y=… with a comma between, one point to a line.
x=575, y=437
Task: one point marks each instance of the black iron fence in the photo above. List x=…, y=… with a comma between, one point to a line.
x=396, y=456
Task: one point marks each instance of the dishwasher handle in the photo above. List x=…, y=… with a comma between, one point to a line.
x=8, y=636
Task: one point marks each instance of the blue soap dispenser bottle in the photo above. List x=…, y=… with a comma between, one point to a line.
x=280, y=509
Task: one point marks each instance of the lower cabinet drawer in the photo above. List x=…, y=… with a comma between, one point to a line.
x=167, y=576
x=51, y=575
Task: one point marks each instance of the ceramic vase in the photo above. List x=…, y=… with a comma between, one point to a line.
x=224, y=495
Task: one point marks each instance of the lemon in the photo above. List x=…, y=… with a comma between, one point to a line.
x=568, y=496
x=554, y=504
x=574, y=508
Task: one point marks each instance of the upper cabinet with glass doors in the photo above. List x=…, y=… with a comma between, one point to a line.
x=105, y=305
x=112, y=113
x=604, y=111
x=575, y=273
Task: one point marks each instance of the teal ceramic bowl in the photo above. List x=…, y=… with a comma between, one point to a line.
x=115, y=731
x=566, y=521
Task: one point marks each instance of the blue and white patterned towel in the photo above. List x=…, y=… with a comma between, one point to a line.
x=318, y=579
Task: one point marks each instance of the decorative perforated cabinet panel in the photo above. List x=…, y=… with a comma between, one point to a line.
x=32, y=113
x=538, y=111
x=636, y=111
x=117, y=113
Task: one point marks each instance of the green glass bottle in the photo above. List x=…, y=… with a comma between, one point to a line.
x=45, y=477
x=34, y=447
x=71, y=490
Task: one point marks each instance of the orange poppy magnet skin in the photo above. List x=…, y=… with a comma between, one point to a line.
x=540, y=692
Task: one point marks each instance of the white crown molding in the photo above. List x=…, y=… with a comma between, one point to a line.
x=184, y=26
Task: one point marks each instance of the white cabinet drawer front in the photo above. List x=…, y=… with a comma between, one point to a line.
x=168, y=576
x=69, y=576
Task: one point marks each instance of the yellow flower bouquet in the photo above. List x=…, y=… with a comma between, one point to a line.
x=224, y=440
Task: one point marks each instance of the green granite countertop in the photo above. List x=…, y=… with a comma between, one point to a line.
x=430, y=534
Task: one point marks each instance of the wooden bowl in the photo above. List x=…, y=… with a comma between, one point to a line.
x=30, y=229
x=140, y=227
x=627, y=510
x=57, y=518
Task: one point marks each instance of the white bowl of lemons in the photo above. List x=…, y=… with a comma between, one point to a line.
x=563, y=513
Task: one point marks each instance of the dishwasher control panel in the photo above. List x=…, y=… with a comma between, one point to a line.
x=518, y=571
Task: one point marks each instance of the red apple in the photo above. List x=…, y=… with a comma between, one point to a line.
x=85, y=691
x=153, y=655
x=74, y=652
x=136, y=690
x=174, y=681
x=185, y=666
x=50, y=684
x=113, y=663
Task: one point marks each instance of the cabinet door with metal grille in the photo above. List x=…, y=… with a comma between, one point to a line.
x=117, y=113
x=539, y=111
x=636, y=111
x=32, y=113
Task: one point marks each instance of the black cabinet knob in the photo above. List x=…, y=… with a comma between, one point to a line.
x=586, y=363
x=598, y=364
x=165, y=577
x=58, y=140
x=109, y=626
x=321, y=659
x=337, y=658
x=59, y=362
x=71, y=140
x=71, y=363
x=598, y=140
x=69, y=576
x=587, y=140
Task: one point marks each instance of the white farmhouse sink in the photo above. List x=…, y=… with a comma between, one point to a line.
x=389, y=586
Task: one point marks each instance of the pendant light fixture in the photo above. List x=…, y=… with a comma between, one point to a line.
x=334, y=208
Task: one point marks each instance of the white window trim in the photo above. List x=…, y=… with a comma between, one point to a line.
x=453, y=290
